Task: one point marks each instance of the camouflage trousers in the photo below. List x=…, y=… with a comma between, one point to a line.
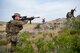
x=13, y=39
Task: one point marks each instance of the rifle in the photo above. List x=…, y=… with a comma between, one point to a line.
x=24, y=18
x=75, y=8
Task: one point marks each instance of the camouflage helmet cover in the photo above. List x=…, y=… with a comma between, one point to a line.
x=16, y=14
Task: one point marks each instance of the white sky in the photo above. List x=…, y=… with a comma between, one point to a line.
x=48, y=9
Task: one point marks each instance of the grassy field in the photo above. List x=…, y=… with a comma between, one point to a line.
x=50, y=40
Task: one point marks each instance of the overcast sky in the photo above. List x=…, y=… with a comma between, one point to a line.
x=48, y=9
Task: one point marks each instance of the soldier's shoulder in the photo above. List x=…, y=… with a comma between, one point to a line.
x=9, y=21
x=15, y=22
x=12, y=21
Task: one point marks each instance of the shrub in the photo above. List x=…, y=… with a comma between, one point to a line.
x=38, y=26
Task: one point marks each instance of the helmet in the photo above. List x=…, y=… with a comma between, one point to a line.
x=16, y=14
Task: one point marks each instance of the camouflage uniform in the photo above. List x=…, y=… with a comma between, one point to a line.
x=12, y=29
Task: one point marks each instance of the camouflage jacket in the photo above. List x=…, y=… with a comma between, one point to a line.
x=14, y=26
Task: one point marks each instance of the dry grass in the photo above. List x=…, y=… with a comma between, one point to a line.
x=29, y=26
x=2, y=27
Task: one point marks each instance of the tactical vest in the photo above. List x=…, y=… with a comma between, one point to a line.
x=14, y=26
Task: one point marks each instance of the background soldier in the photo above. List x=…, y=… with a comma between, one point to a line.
x=12, y=29
x=43, y=20
x=71, y=13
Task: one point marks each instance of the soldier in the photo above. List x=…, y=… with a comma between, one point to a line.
x=43, y=20
x=71, y=13
x=12, y=29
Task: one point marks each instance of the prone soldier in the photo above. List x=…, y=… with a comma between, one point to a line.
x=12, y=29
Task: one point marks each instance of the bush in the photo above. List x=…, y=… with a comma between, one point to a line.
x=38, y=26
x=3, y=42
x=45, y=46
x=68, y=42
x=25, y=46
x=75, y=32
